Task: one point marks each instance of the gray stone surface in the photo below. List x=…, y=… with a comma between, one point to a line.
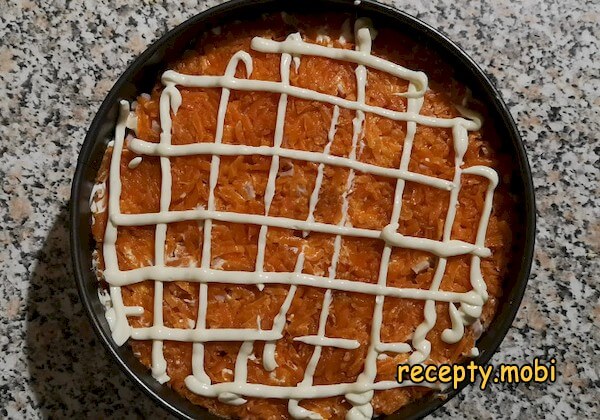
x=57, y=61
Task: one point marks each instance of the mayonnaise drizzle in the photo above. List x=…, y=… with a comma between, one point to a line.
x=155, y=149
x=278, y=323
x=464, y=308
x=135, y=162
x=363, y=45
x=362, y=402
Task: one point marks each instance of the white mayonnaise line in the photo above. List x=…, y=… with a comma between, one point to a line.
x=171, y=76
x=298, y=392
x=231, y=398
x=170, y=99
x=453, y=335
x=241, y=365
x=314, y=197
x=362, y=403
x=200, y=330
x=203, y=336
x=484, y=171
x=309, y=372
x=133, y=310
x=279, y=322
x=471, y=313
x=451, y=248
x=155, y=149
x=215, y=162
x=421, y=345
x=98, y=198
x=241, y=370
x=467, y=314
x=363, y=44
x=360, y=392
x=135, y=162
x=121, y=331
x=198, y=348
x=284, y=71
x=445, y=249
x=240, y=374
x=317, y=340
x=362, y=57
x=393, y=347
x=201, y=275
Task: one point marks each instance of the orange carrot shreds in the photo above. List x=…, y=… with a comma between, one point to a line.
x=371, y=201
x=360, y=259
x=183, y=244
x=140, y=187
x=433, y=153
x=423, y=224
x=190, y=175
x=242, y=183
x=135, y=247
x=310, y=125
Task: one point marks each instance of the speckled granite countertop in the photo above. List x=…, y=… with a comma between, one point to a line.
x=57, y=62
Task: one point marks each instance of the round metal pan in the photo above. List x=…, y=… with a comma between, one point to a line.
x=141, y=76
